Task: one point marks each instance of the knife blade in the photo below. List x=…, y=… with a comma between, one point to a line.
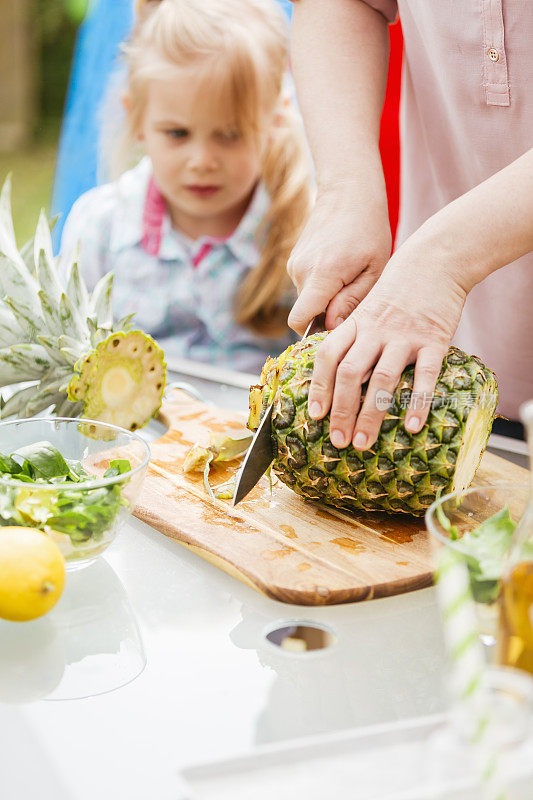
x=259, y=455
x=258, y=458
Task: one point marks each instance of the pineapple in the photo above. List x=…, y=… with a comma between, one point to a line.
x=402, y=472
x=65, y=341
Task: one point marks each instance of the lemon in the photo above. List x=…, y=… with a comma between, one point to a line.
x=32, y=573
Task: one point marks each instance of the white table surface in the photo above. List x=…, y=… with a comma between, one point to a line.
x=203, y=681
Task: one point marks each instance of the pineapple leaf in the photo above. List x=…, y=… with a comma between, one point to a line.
x=45, y=266
x=8, y=244
x=50, y=345
x=41, y=401
x=101, y=302
x=23, y=362
x=18, y=285
x=9, y=330
x=100, y=336
x=15, y=278
x=25, y=318
x=66, y=408
x=96, y=334
x=71, y=321
x=70, y=356
x=124, y=324
x=76, y=289
x=56, y=374
x=69, y=343
x=50, y=314
x=16, y=404
x=26, y=253
x=27, y=249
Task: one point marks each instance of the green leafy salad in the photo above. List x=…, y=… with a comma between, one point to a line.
x=81, y=513
x=485, y=549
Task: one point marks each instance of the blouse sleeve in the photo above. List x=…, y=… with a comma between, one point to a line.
x=87, y=230
x=389, y=8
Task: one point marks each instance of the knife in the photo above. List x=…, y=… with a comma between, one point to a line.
x=259, y=455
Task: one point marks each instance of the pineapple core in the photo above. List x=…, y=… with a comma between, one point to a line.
x=117, y=386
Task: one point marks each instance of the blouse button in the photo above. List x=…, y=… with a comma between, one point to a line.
x=493, y=54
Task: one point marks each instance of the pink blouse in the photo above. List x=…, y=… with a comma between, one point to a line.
x=467, y=112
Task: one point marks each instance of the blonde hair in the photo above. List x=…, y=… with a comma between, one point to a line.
x=241, y=47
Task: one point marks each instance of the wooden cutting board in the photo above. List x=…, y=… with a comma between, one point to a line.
x=287, y=548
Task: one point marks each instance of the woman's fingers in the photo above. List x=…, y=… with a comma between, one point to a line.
x=346, y=360
x=347, y=300
x=384, y=380
x=346, y=236
x=317, y=291
x=427, y=369
x=351, y=374
x=330, y=353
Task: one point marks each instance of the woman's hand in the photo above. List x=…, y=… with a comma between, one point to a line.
x=409, y=317
x=412, y=312
x=341, y=253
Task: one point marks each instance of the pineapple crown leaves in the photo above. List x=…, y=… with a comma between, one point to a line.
x=76, y=288
x=45, y=268
x=124, y=324
x=10, y=331
x=50, y=328
x=101, y=305
x=67, y=408
x=15, y=280
x=23, y=362
x=37, y=312
x=8, y=245
x=28, y=249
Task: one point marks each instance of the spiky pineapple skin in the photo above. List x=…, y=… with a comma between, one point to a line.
x=402, y=472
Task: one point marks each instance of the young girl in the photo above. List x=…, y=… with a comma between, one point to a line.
x=198, y=234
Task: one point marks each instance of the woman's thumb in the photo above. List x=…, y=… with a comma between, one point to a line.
x=312, y=301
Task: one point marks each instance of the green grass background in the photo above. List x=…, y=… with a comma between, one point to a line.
x=32, y=171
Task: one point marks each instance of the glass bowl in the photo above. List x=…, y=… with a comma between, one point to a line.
x=458, y=514
x=82, y=518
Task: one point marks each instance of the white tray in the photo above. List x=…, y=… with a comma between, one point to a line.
x=404, y=761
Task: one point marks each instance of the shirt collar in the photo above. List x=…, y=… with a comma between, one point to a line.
x=245, y=242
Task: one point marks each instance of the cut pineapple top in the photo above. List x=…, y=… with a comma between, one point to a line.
x=121, y=381
x=402, y=472
x=66, y=340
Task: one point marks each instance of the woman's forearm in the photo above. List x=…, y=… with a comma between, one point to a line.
x=339, y=51
x=484, y=229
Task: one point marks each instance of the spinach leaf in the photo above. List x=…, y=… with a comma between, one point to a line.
x=8, y=466
x=69, y=508
x=43, y=460
x=117, y=467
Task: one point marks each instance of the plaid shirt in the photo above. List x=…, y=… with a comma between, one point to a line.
x=182, y=291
